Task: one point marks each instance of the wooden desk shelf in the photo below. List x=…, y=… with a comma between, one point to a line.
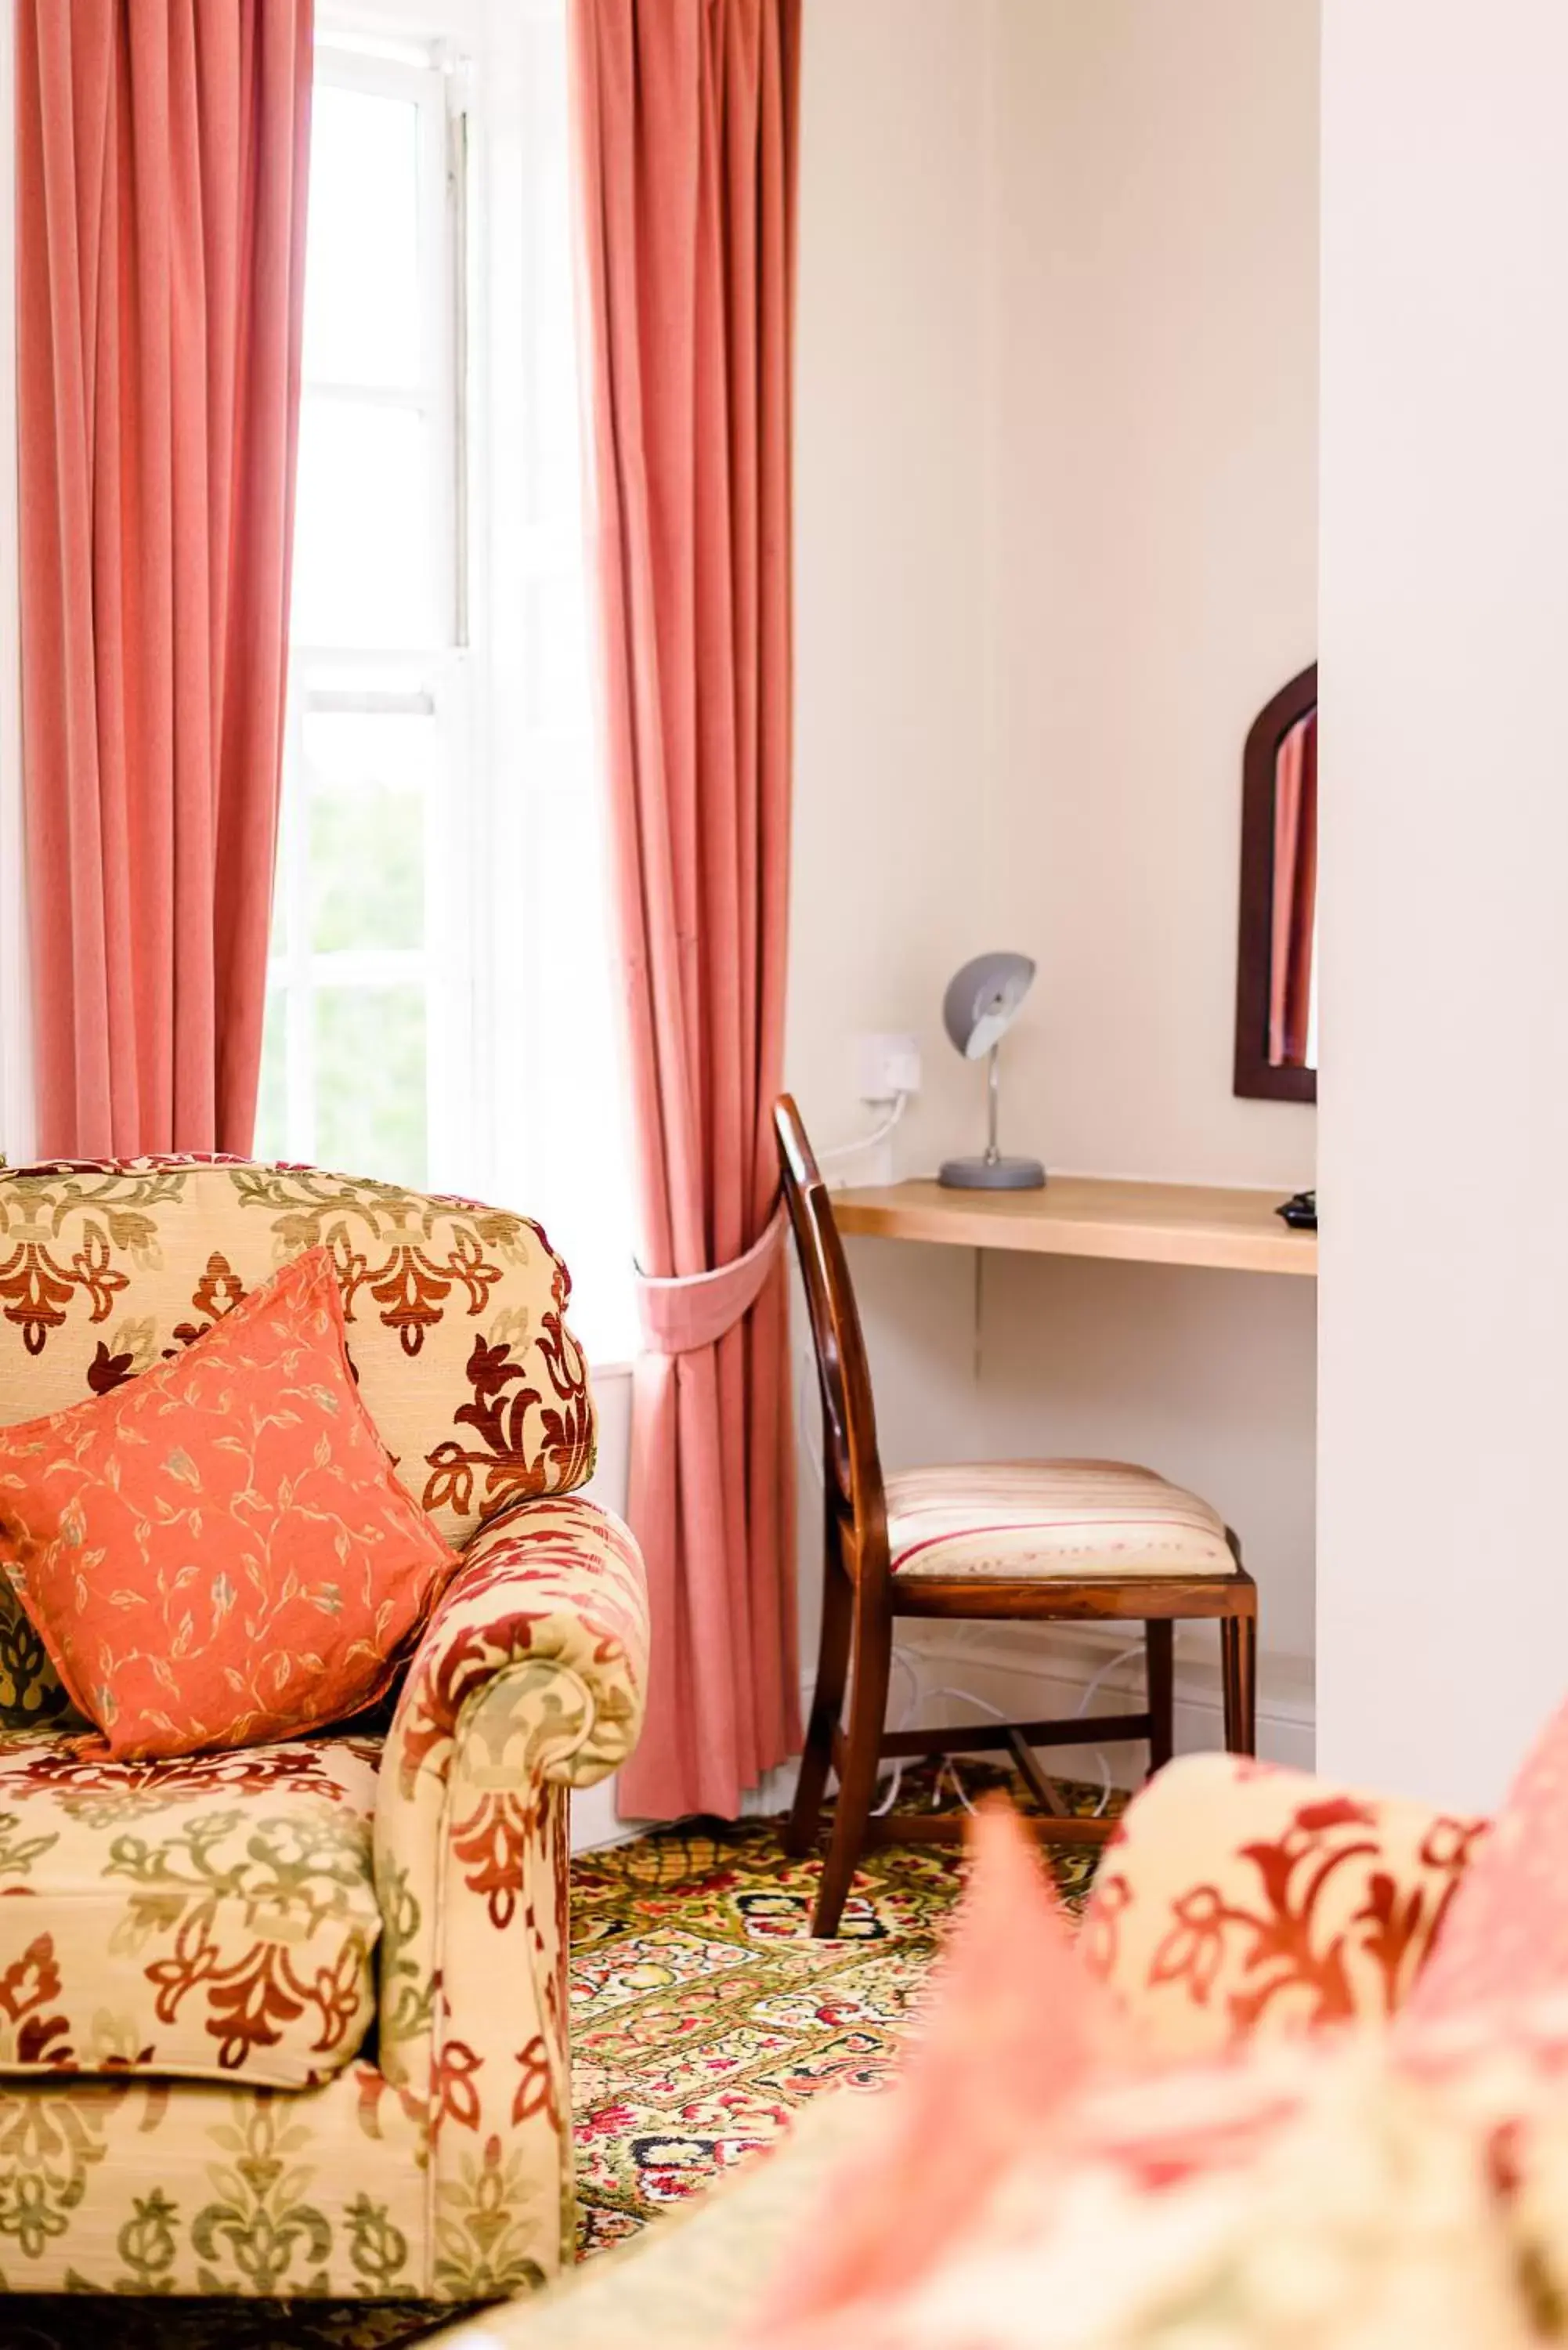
x=1087, y=1215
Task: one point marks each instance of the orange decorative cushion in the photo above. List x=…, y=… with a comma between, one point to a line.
x=1017, y=2030
x=219, y=1552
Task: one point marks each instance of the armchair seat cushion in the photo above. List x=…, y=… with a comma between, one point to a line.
x=214, y=1916
x=1019, y=1520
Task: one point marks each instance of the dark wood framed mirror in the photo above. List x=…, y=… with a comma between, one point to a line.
x=1276, y=958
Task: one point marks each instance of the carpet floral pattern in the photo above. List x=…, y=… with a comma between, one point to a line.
x=704, y=2018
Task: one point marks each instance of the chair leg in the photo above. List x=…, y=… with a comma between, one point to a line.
x=1238, y=1670
x=826, y=1705
x=1160, y=1655
x=873, y=1646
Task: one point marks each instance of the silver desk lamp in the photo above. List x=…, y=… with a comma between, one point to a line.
x=980, y=1006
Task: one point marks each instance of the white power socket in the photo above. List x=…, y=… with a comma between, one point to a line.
x=890, y=1066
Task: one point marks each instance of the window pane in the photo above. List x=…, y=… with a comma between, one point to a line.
x=370, y=1082
x=368, y=775
x=362, y=255
x=278, y=935
x=552, y=412
x=272, y=1105
x=363, y=574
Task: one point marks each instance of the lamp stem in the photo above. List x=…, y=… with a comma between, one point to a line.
x=993, y=1096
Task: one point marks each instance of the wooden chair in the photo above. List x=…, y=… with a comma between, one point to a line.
x=1036, y=1541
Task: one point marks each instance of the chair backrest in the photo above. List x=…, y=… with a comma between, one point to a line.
x=455, y=1311
x=852, y=1468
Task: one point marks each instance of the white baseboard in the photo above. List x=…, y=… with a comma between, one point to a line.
x=1039, y=1672
x=1049, y=1671
x=594, y=1823
x=1043, y=1673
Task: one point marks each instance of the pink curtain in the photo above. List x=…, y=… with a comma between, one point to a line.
x=684, y=117
x=161, y=155
x=1294, y=912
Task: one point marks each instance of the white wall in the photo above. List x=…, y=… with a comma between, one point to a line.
x=1156, y=546
x=891, y=593
x=1055, y=516
x=1443, y=1600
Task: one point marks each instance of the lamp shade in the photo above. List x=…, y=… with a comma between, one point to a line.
x=982, y=1000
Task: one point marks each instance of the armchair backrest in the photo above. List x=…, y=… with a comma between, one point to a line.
x=455, y=1311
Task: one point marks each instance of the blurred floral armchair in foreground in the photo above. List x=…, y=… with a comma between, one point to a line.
x=1301, y=2079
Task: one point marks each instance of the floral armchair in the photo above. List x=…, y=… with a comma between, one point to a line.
x=1244, y=1914
x=294, y=2020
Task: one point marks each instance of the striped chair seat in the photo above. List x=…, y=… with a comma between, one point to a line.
x=1020, y=1519
x=1026, y=1542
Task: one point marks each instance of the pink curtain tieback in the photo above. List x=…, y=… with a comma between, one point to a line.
x=684, y=142
x=683, y=1312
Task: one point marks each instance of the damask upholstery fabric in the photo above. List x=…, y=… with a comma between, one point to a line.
x=1239, y=1901
x=1298, y=2198
x=1028, y=1518
x=1505, y=1938
x=214, y=1918
x=691, y=2283
x=133, y=2183
x=1271, y=2184
x=1329, y=2193
x=445, y=2168
x=1018, y=2129
x=1311, y=2199
x=439, y=2163
x=455, y=1315
x=529, y=1679
x=219, y=1551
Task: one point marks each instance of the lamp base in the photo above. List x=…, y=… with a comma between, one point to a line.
x=992, y=1174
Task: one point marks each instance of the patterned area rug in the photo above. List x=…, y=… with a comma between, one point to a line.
x=704, y=2018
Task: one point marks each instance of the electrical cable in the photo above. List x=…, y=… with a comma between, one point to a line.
x=867, y=1141
x=947, y=1763
x=902, y=1658
x=1081, y=1708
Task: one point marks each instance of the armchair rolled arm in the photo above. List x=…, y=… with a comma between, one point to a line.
x=1240, y=1899
x=528, y=1681
x=554, y=1589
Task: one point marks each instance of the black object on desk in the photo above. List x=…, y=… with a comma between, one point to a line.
x=1300, y=1212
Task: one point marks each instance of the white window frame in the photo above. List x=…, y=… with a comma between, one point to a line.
x=438, y=678
x=519, y=1061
